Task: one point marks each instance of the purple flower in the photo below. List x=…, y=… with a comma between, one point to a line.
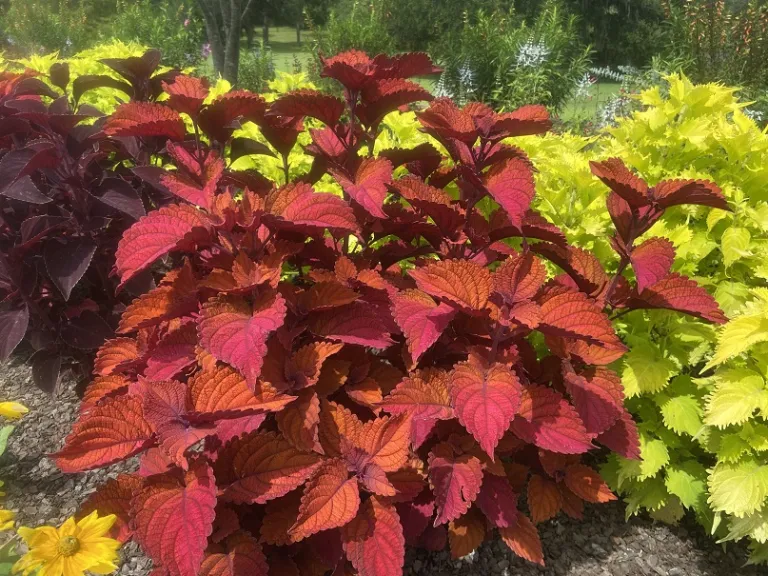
x=186, y=22
x=206, y=51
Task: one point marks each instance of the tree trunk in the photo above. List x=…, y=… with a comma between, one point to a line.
x=213, y=31
x=249, y=36
x=233, y=26
x=265, y=30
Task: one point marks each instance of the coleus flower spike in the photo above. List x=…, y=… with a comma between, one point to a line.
x=302, y=402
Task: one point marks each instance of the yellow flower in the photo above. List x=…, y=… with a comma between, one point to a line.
x=12, y=410
x=1, y=485
x=71, y=549
x=6, y=519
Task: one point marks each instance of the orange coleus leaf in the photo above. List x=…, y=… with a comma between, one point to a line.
x=459, y=281
x=444, y=119
x=145, y=119
x=587, y=484
x=386, y=440
x=298, y=205
x=680, y=293
x=103, y=387
x=615, y=174
x=299, y=421
x=455, y=480
x=175, y=227
x=485, y=399
x=357, y=323
x=336, y=422
x=519, y=277
x=574, y=315
x=369, y=474
x=223, y=392
x=114, y=497
x=173, y=520
x=112, y=431
x=676, y=192
x=548, y=421
x=173, y=353
x=598, y=397
x=114, y=355
x=421, y=319
x=262, y=466
x=423, y=394
x=324, y=107
x=327, y=295
x=279, y=516
x=236, y=332
x=544, y=498
x=242, y=555
x=373, y=541
x=331, y=500
x=466, y=533
x=172, y=300
x=187, y=93
x=523, y=539
x=304, y=367
x=582, y=267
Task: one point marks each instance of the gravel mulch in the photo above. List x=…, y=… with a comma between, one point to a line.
x=600, y=545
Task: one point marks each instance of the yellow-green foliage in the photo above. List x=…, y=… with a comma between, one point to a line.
x=701, y=406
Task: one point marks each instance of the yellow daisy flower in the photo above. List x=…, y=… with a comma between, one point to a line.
x=6, y=519
x=71, y=549
x=12, y=410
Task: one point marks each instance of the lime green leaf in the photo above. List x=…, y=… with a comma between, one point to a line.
x=735, y=245
x=754, y=525
x=738, y=394
x=682, y=414
x=732, y=447
x=738, y=489
x=645, y=370
x=654, y=455
x=688, y=481
x=758, y=554
x=756, y=435
x=670, y=513
x=5, y=432
x=738, y=336
x=650, y=494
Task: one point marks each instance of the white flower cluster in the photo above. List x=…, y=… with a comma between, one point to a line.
x=441, y=91
x=755, y=115
x=467, y=77
x=608, y=73
x=583, y=85
x=532, y=54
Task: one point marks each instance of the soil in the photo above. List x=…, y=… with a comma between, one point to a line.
x=602, y=544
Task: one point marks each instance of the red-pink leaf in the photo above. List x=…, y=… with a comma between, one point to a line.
x=186, y=94
x=622, y=437
x=583, y=267
x=485, y=400
x=373, y=541
x=357, y=323
x=173, y=521
x=498, y=501
x=324, y=107
x=525, y=121
x=444, y=119
x=548, y=421
x=175, y=227
x=236, y=332
x=676, y=192
x=243, y=557
x=114, y=497
x=172, y=354
x=369, y=185
x=598, y=397
x=145, y=119
x=680, y=293
x=511, y=184
x=423, y=395
x=353, y=69
x=112, y=431
x=574, y=315
x=299, y=205
x=455, y=481
x=615, y=174
x=421, y=319
x=652, y=261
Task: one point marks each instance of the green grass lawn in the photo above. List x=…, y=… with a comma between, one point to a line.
x=599, y=94
x=282, y=41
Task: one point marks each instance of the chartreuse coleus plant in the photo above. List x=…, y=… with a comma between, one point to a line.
x=320, y=379
x=690, y=417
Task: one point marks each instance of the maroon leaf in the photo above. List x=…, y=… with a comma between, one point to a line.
x=511, y=185
x=369, y=185
x=67, y=262
x=652, y=261
x=676, y=192
x=677, y=292
x=615, y=174
x=324, y=107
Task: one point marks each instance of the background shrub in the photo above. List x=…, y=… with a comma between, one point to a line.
x=42, y=26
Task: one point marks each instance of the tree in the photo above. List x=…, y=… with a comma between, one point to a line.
x=223, y=23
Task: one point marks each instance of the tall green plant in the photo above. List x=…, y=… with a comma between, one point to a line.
x=500, y=59
x=35, y=26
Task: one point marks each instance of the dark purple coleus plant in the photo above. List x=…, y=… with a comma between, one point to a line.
x=66, y=196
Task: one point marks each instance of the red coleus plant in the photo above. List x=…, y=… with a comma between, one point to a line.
x=66, y=197
x=319, y=381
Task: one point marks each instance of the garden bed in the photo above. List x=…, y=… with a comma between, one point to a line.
x=600, y=545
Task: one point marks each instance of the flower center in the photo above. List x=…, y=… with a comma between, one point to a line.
x=68, y=546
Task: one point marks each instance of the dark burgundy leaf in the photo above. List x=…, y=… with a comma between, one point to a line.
x=26, y=191
x=86, y=332
x=46, y=369
x=121, y=196
x=67, y=262
x=13, y=326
